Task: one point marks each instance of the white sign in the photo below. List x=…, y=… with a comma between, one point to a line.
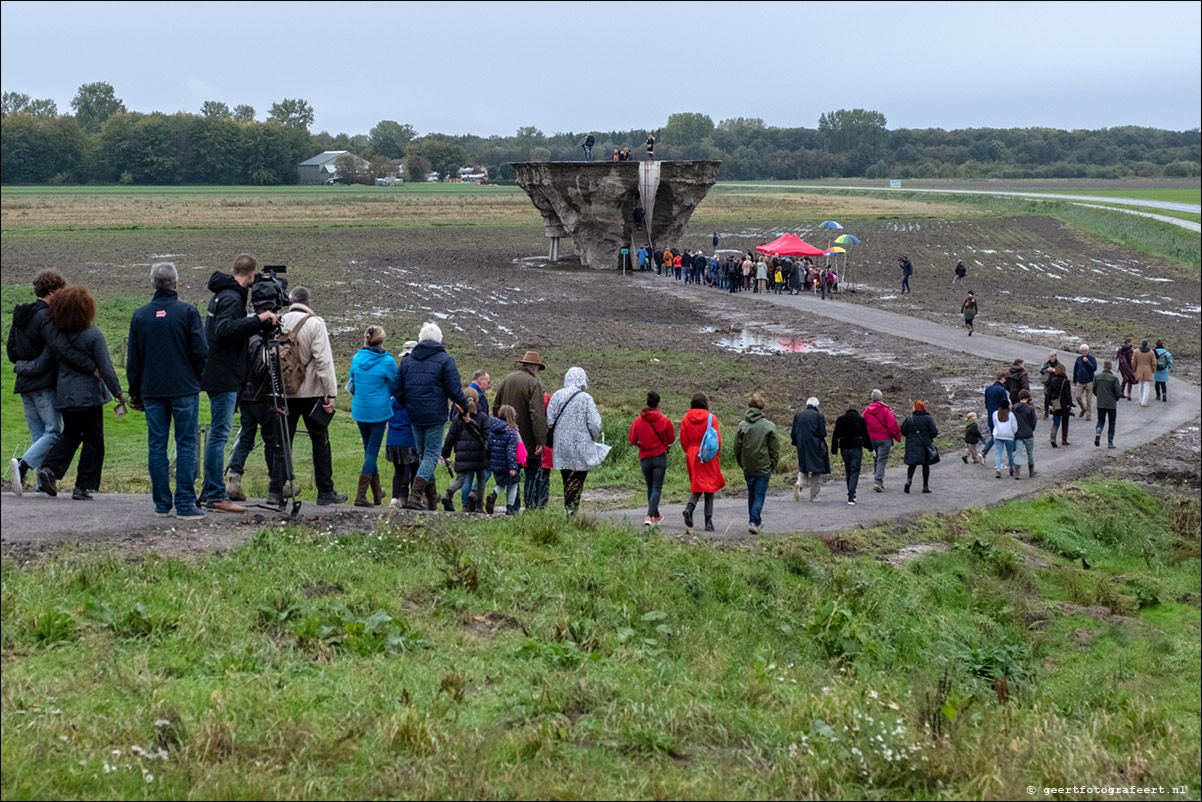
x=894, y=183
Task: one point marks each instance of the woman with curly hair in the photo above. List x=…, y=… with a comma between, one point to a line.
x=80, y=397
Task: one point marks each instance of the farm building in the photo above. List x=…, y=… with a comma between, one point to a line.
x=320, y=169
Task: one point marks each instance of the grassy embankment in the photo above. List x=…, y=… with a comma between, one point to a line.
x=540, y=658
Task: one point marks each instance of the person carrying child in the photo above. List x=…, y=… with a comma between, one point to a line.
x=972, y=437
x=503, y=444
x=471, y=453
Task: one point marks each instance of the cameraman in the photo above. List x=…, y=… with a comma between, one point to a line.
x=228, y=329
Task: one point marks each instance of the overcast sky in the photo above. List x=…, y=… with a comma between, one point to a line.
x=488, y=68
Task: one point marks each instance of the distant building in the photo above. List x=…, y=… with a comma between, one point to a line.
x=474, y=175
x=320, y=169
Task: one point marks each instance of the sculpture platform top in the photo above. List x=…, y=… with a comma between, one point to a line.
x=607, y=206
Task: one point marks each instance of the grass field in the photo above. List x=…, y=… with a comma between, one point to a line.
x=541, y=658
x=1171, y=195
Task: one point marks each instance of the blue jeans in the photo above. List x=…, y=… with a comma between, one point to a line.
x=221, y=420
x=372, y=435
x=160, y=413
x=757, y=490
x=469, y=484
x=428, y=440
x=45, y=426
x=1027, y=443
x=1008, y=445
x=1103, y=416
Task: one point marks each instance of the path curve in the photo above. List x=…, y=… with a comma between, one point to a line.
x=954, y=484
x=1191, y=208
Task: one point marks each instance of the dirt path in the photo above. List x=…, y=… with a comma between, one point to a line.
x=954, y=484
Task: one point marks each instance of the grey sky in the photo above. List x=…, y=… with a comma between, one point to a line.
x=488, y=68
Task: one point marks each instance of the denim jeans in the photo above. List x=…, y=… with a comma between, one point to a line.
x=1027, y=443
x=1008, y=447
x=372, y=435
x=852, y=459
x=160, y=414
x=470, y=484
x=221, y=417
x=757, y=491
x=654, y=469
x=428, y=440
x=882, y=449
x=1103, y=416
x=45, y=426
x=248, y=428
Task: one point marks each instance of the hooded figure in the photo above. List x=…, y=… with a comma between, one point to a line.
x=577, y=425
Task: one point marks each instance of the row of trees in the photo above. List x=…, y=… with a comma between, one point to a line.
x=102, y=141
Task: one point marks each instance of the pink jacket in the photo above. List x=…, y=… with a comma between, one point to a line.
x=882, y=423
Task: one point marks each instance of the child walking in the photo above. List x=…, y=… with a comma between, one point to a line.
x=471, y=453
x=503, y=441
x=972, y=438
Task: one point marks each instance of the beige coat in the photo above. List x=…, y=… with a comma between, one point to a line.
x=313, y=344
x=1144, y=364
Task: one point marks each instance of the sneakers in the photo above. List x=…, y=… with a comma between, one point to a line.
x=46, y=482
x=1111, y=445
x=878, y=488
x=997, y=474
x=80, y=494
x=851, y=503
x=162, y=514
x=797, y=492
x=274, y=500
x=646, y=520
x=1097, y=440
x=226, y=506
x=194, y=514
x=14, y=467
x=753, y=529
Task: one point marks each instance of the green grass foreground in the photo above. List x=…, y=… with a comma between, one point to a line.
x=541, y=658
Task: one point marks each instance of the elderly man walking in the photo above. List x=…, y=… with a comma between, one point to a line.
x=1083, y=372
x=523, y=391
x=883, y=432
x=166, y=359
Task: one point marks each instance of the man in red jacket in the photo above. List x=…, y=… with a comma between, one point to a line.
x=652, y=433
x=884, y=432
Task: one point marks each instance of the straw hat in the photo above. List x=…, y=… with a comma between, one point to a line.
x=532, y=358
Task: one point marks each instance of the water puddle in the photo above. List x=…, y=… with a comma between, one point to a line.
x=749, y=341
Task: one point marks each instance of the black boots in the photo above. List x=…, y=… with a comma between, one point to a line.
x=688, y=517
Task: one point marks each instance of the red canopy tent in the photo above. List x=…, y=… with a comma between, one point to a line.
x=790, y=245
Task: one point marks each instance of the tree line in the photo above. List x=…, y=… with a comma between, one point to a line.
x=102, y=141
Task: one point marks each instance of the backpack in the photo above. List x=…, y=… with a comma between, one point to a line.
x=290, y=364
x=1162, y=360
x=709, y=441
x=258, y=375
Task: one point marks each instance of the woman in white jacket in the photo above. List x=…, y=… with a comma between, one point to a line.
x=1005, y=427
x=573, y=417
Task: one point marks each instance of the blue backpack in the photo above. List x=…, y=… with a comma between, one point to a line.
x=709, y=441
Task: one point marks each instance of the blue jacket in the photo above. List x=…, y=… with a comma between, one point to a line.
x=1163, y=375
x=502, y=452
x=482, y=402
x=167, y=349
x=400, y=433
x=995, y=394
x=372, y=374
x=426, y=380
x=1084, y=369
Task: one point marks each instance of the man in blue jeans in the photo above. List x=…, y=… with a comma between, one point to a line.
x=757, y=450
x=228, y=329
x=34, y=338
x=166, y=359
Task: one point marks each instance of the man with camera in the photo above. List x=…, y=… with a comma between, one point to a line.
x=166, y=359
x=313, y=396
x=228, y=329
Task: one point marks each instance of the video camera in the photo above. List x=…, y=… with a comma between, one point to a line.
x=270, y=291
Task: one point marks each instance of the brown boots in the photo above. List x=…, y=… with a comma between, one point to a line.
x=417, y=498
x=366, y=483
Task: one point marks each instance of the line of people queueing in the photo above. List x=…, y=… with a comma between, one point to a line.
x=748, y=272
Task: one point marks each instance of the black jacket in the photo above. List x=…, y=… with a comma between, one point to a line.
x=1027, y=419
x=919, y=430
x=33, y=338
x=471, y=454
x=167, y=349
x=227, y=328
x=851, y=432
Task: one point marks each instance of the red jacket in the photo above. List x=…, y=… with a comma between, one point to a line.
x=882, y=423
x=652, y=433
x=704, y=477
x=547, y=463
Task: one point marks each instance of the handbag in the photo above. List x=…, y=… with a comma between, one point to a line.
x=551, y=426
x=931, y=449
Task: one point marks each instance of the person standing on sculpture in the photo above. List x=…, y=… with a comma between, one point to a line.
x=650, y=146
x=587, y=146
x=523, y=391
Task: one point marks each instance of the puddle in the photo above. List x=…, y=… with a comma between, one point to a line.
x=1032, y=330
x=748, y=341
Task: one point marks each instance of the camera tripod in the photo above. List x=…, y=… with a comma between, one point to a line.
x=279, y=411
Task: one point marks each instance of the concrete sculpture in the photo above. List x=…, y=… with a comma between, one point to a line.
x=594, y=203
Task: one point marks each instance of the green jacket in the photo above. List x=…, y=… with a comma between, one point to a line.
x=1106, y=389
x=757, y=449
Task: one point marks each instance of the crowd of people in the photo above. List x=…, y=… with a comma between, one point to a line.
x=404, y=404
x=740, y=272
